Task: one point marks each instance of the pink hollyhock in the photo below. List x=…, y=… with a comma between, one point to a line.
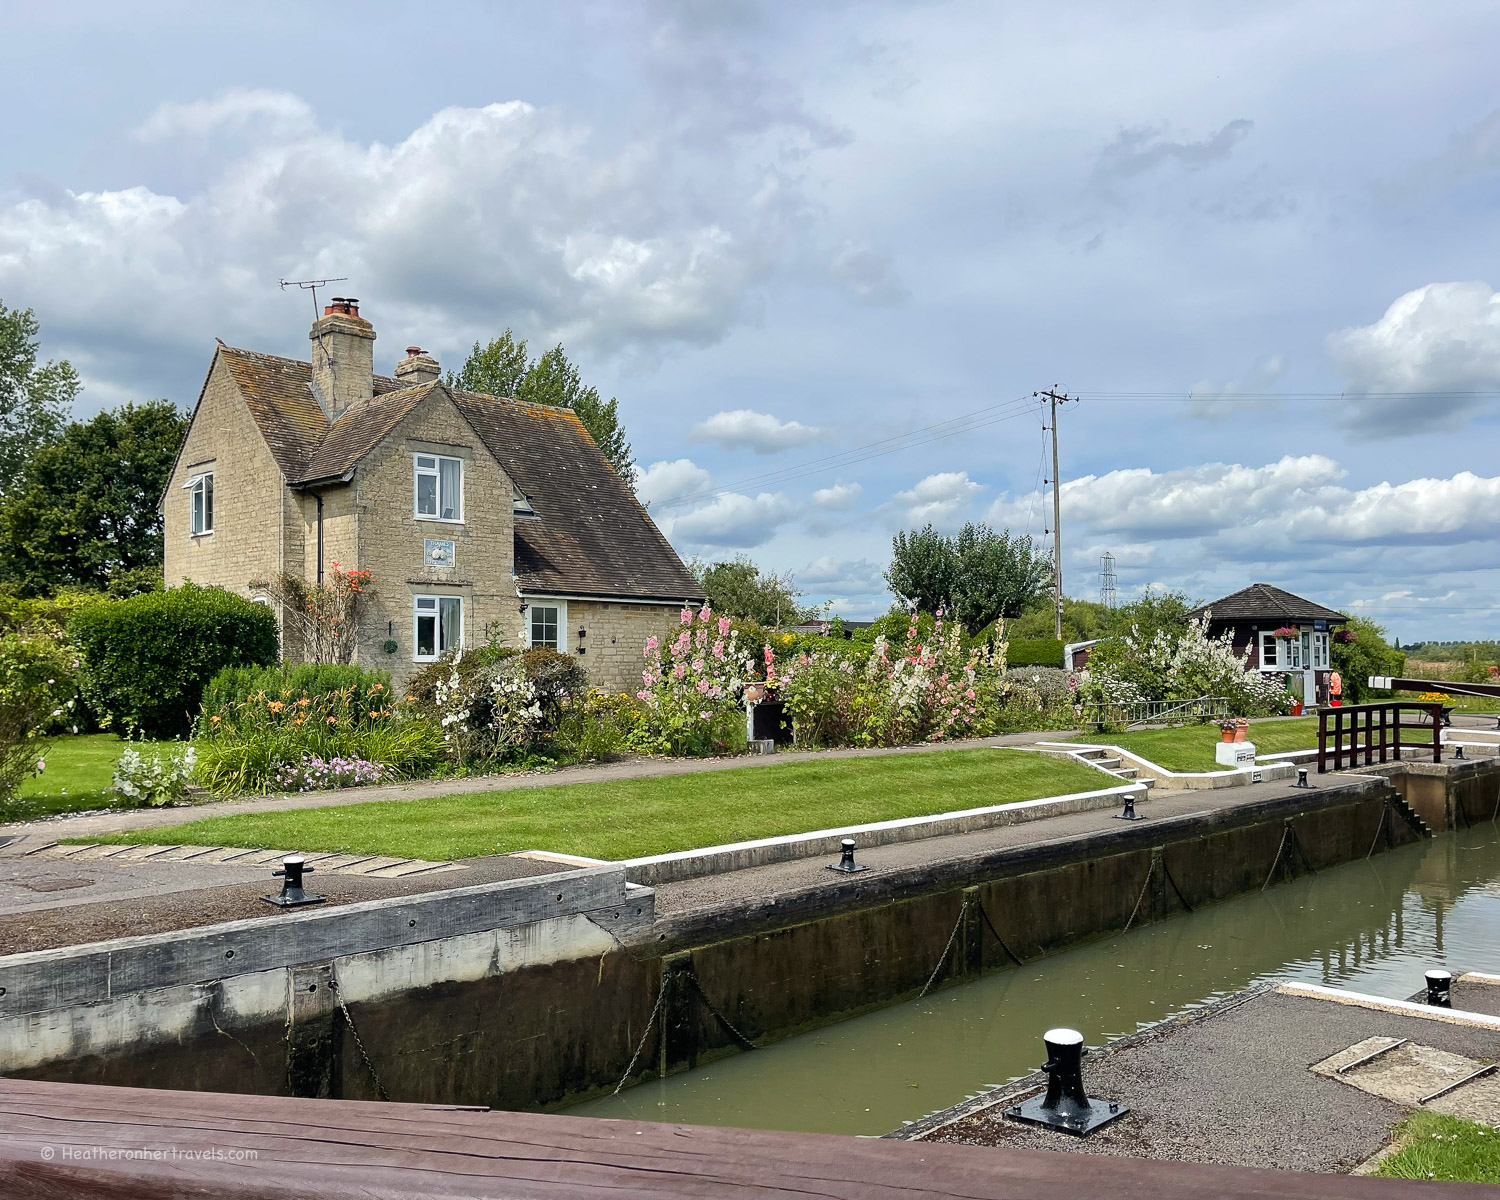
x=698, y=665
x=687, y=616
x=723, y=626
x=718, y=649
x=703, y=686
x=770, y=655
x=640, y=695
x=680, y=670
x=705, y=612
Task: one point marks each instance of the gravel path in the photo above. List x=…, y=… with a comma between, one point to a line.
x=1234, y=1088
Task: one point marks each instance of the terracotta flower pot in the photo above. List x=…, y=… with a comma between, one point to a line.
x=1226, y=735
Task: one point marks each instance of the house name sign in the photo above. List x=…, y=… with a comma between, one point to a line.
x=437, y=552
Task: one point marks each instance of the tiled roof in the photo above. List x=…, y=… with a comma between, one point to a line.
x=359, y=431
x=590, y=535
x=1265, y=602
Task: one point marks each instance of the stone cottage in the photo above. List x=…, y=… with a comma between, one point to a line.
x=480, y=517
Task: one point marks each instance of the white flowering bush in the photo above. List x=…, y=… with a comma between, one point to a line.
x=154, y=779
x=924, y=689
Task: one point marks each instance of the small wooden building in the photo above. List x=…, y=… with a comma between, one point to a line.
x=1282, y=632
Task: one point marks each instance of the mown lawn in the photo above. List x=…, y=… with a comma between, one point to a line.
x=1433, y=1146
x=77, y=773
x=630, y=818
x=1191, y=747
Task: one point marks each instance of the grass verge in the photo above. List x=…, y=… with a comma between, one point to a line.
x=1433, y=1146
x=77, y=776
x=630, y=818
x=1191, y=747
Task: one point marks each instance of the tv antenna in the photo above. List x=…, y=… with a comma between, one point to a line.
x=311, y=285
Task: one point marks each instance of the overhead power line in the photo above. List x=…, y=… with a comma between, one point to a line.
x=979, y=419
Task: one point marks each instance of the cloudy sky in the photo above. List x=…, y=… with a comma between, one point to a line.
x=795, y=240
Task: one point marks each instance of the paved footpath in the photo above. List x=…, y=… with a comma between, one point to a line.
x=85, y=825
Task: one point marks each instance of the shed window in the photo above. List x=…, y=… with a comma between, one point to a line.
x=1320, y=657
x=200, y=490
x=438, y=485
x=1267, y=650
x=438, y=624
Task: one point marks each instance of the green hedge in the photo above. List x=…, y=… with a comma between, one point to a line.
x=146, y=660
x=313, y=680
x=1035, y=652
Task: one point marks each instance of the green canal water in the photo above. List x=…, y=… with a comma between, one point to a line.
x=1372, y=926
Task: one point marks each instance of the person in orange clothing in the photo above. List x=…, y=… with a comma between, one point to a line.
x=1335, y=689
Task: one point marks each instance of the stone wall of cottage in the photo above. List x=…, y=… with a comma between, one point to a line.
x=615, y=636
x=386, y=538
x=255, y=515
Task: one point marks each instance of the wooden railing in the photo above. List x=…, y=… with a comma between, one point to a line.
x=1377, y=733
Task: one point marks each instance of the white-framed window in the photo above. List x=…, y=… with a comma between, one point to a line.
x=1291, y=653
x=438, y=487
x=1268, y=651
x=547, y=624
x=200, y=490
x=1321, y=660
x=437, y=627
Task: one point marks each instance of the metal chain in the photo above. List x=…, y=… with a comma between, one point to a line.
x=1385, y=811
x=962, y=908
x=1276, y=862
x=723, y=1020
x=1145, y=883
x=983, y=912
x=338, y=994
x=634, y=1058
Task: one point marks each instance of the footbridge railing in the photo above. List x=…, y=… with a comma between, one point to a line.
x=1361, y=734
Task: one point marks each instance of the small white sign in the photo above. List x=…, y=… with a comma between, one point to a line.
x=1235, y=754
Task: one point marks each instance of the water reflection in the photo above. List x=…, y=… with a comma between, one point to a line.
x=1373, y=925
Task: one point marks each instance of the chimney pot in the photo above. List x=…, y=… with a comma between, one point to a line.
x=342, y=357
x=418, y=367
x=413, y=351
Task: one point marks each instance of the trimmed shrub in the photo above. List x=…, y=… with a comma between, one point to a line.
x=147, y=659
x=295, y=680
x=1035, y=652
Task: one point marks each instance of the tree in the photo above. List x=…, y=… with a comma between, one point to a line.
x=503, y=368
x=1364, y=652
x=34, y=401
x=977, y=576
x=1162, y=609
x=84, y=512
x=738, y=588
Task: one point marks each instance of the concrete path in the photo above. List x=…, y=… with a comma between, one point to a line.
x=94, y=824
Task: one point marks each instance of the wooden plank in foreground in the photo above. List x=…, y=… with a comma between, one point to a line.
x=107, y=1143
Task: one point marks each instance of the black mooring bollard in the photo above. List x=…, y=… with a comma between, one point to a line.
x=1458, y=751
x=1129, y=813
x=846, y=863
x=1439, y=988
x=293, y=867
x=1065, y=1106
x=1302, y=778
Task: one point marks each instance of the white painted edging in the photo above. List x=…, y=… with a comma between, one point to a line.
x=1410, y=1008
x=1183, y=780
x=736, y=856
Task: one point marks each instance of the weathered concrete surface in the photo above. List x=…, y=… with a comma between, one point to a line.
x=755, y=954
x=1230, y=1084
x=1452, y=794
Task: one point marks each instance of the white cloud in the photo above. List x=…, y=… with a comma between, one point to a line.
x=940, y=499
x=1441, y=337
x=745, y=429
x=826, y=573
x=866, y=275
x=840, y=497
x=733, y=520
x=668, y=480
x=478, y=218
x=239, y=108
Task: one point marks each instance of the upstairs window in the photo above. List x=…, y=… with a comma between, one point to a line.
x=200, y=490
x=438, y=627
x=439, y=488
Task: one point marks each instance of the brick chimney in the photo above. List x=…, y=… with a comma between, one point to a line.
x=343, y=357
x=417, y=367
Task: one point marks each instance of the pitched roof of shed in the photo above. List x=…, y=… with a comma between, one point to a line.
x=1264, y=601
x=590, y=535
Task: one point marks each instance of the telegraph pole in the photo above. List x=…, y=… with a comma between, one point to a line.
x=1054, y=397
